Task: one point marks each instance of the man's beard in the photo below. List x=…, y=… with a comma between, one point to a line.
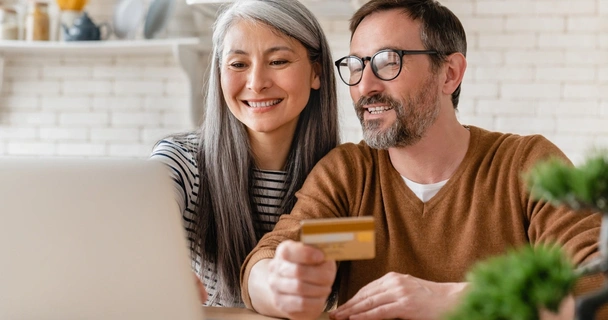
x=414, y=116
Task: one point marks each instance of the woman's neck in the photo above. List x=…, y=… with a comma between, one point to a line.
x=270, y=150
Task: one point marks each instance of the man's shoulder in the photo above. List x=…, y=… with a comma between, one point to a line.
x=495, y=138
x=355, y=151
x=514, y=146
x=352, y=157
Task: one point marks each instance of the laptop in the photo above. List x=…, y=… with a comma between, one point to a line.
x=92, y=239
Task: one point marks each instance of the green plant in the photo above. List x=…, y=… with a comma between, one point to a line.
x=578, y=187
x=516, y=285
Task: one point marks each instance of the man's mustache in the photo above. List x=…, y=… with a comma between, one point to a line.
x=375, y=99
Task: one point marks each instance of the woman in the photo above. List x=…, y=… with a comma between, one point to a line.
x=271, y=114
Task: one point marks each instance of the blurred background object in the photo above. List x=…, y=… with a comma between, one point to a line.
x=159, y=13
x=69, y=11
x=84, y=29
x=71, y=5
x=128, y=15
x=67, y=18
x=37, y=23
x=9, y=27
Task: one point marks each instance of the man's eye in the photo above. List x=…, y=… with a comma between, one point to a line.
x=387, y=64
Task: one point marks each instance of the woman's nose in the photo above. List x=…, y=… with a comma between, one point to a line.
x=258, y=79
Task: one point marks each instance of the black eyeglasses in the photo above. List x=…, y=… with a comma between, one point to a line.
x=386, y=65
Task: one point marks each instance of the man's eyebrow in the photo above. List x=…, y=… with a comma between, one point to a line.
x=381, y=49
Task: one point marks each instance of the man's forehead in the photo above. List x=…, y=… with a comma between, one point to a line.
x=391, y=29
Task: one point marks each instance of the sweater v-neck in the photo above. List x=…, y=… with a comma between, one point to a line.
x=408, y=195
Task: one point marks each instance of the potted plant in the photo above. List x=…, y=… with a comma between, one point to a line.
x=518, y=284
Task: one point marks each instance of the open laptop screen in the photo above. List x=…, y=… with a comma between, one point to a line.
x=92, y=239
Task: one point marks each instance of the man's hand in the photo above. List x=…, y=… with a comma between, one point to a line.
x=295, y=284
x=401, y=296
x=566, y=311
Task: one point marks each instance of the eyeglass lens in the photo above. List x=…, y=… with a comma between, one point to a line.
x=385, y=64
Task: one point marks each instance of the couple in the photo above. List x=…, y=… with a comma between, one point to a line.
x=443, y=195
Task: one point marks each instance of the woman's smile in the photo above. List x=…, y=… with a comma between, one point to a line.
x=262, y=103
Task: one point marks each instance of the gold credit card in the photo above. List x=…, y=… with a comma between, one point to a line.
x=340, y=239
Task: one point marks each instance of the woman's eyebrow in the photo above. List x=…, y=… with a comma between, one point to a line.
x=267, y=51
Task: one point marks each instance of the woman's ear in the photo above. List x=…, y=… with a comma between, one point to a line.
x=455, y=67
x=315, y=81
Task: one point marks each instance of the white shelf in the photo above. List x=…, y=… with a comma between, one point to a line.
x=99, y=47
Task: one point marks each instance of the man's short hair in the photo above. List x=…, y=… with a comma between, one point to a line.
x=440, y=29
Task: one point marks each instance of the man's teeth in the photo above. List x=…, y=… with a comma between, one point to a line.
x=263, y=104
x=378, y=110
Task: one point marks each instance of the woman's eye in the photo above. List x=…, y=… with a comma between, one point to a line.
x=237, y=65
x=278, y=62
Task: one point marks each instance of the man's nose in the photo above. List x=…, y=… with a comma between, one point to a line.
x=258, y=79
x=370, y=84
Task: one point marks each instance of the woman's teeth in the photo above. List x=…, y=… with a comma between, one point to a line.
x=263, y=104
x=378, y=110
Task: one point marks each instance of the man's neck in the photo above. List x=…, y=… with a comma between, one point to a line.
x=436, y=157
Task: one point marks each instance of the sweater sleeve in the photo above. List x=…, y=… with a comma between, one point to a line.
x=577, y=231
x=323, y=195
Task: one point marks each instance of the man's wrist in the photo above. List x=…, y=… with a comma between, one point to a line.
x=259, y=290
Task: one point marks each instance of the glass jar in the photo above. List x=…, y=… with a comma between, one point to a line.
x=9, y=26
x=37, y=23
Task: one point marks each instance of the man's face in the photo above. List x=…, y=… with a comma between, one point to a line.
x=394, y=113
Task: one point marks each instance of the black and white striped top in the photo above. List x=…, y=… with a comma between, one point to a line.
x=180, y=154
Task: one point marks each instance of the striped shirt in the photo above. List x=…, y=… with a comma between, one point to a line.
x=180, y=154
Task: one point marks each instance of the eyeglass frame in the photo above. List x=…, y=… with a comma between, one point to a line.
x=401, y=53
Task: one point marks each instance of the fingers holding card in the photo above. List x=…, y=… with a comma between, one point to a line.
x=341, y=239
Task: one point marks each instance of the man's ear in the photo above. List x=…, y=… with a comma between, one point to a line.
x=454, y=71
x=315, y=82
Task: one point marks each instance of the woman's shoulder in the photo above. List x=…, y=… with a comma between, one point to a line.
x=186, y=142
x=183, y=146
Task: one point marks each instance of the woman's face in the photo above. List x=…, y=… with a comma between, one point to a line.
x=266, y=78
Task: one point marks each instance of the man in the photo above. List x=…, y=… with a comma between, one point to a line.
x=443, y=195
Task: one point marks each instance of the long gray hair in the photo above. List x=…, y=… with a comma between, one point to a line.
x=224, y=232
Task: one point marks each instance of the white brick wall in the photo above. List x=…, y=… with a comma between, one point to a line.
x=547, y=60
x=53, y=106
x=535, y=66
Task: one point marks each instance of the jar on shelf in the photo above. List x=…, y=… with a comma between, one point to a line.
x=37, y=23
x=9, y=26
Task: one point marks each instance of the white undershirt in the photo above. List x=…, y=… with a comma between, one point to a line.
x=424, y=191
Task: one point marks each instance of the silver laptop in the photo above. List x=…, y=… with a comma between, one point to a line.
x=92, y=239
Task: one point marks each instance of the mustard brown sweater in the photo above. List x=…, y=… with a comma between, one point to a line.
x=483, y=210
